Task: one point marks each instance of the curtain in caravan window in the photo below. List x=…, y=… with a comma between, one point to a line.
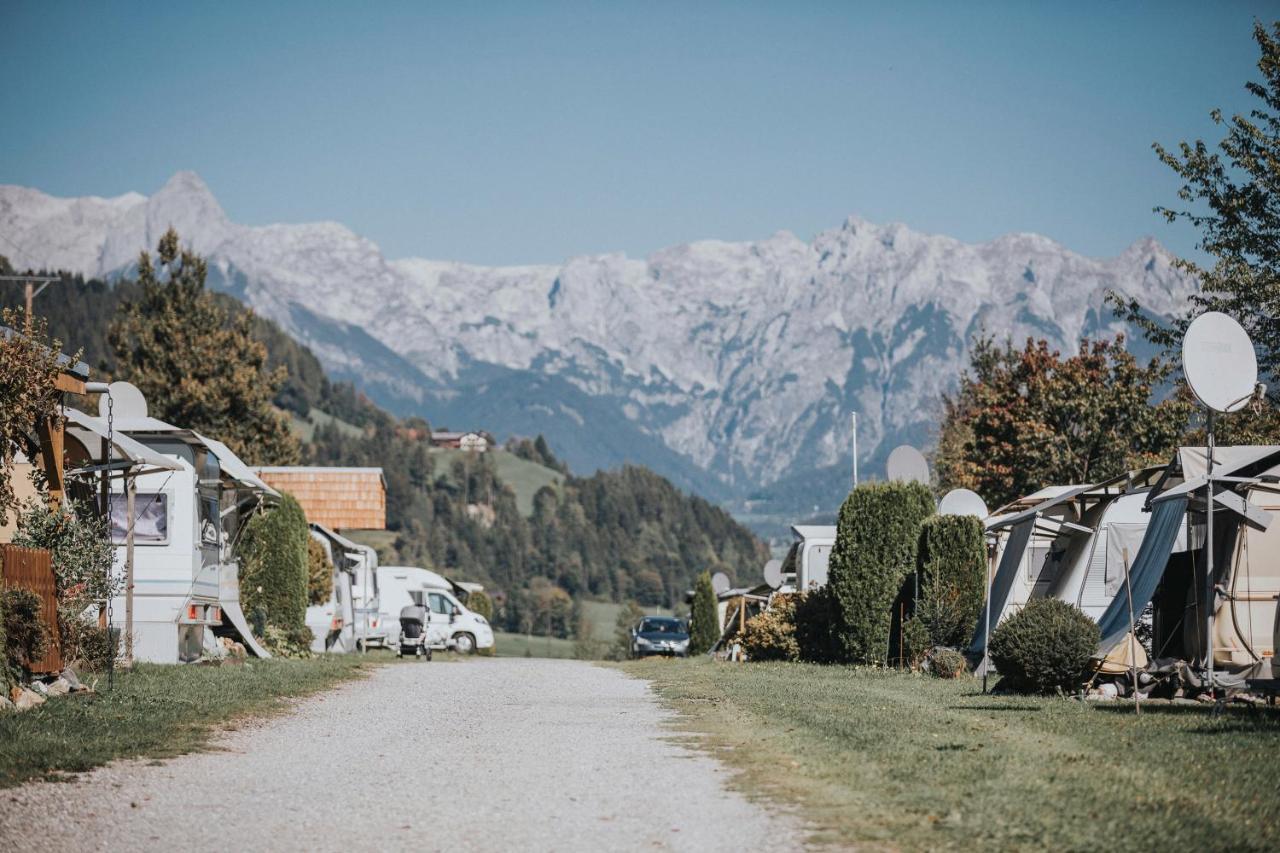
x=1002, y=583
x=1146, y=571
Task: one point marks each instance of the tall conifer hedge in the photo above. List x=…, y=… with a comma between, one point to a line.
x=274, y=565
x=952, y=564
x=876, y=538
x=704, y=620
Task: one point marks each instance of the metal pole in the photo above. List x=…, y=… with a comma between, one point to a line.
x=854, y=416
x=986, y=625
x=1208, y=544
x=30, y=292
x=130, y=490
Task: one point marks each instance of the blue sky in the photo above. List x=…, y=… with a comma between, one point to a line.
x=530, y=132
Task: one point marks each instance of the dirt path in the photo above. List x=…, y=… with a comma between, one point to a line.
x=480, y=755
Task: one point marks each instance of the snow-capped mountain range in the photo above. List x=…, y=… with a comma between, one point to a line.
x=730, y=366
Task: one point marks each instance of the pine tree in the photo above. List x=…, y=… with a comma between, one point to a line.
x=704, y=627
x=198, y=366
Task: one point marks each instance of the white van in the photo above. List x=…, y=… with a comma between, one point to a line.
x=450, y=625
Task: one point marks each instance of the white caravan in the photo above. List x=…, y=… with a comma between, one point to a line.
x=450, y=625
x=184, y=525
x=807, y=562
x=370, y=627
x=333, y=623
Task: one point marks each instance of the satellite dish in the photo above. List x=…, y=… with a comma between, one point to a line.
x=126, y=401
x=908, y=465
x=720, y=583
x=1219, y=362
x=963, y=502
x=773, y=573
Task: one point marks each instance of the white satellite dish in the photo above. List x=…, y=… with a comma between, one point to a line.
x=908, y=465
x=126, y=401
x=720, y=583
x=963, y=502
x=773, y=573
x=1219, y=362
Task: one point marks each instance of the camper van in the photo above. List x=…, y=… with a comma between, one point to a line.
x=450, y=625
x=184, y=525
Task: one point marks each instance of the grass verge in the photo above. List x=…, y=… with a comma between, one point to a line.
x=154, y=712
x=516, y=645
x=898, y=761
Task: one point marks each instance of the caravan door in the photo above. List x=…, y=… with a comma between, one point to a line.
x=439, y=620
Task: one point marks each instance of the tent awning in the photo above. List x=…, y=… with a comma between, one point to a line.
x=1145, y=573
x=1002, y=584
x=89, y=431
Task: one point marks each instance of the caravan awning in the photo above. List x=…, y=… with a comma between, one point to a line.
x=1002, y=584
x=1146, y=572
x=235, y=469
x=125, y=452
x=1064, y=496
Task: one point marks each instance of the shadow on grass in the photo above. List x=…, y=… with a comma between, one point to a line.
x=1021, y=709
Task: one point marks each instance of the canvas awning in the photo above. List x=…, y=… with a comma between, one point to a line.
x=1002, y=584
x=1146, y=571
x=125, y=452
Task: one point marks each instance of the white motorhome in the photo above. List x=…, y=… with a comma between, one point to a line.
x=450, y=625
x=184, y=524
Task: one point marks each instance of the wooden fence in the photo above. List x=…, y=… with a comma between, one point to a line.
x=31, y=568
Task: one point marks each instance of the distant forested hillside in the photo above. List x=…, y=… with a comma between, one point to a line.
x=615, y=535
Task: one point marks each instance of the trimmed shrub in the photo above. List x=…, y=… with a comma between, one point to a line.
x=481, y=604
x=952, y=562
x=771, y=635
x=319, y=573
x=274, y=560
x=876, y=538
x=947, y=663
x=25, y=639
x=815, y=623
x=79, y=547
x=288, y=642
x=704, y=617
x=1044, y=647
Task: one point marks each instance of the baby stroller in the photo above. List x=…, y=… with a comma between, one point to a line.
x=413, y=632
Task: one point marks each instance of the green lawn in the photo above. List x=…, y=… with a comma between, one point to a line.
x=155, y=712
x=515, y=646
x=523, y=476
x=899, y=761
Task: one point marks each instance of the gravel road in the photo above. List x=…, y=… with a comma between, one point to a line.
x=496, y=754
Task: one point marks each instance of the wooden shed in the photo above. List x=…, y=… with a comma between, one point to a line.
x=338, y=498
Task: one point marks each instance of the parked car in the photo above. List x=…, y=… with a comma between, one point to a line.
x=660, y=635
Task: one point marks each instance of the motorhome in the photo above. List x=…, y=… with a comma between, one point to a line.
x=450, y=625
x=183, y=529
x=333, y=622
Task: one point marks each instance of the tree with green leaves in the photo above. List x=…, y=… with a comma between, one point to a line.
x=1231, y=194
x=199, y=365
x=1026, y=417
x=28, y=395
x=704, y=620
x=875, y=550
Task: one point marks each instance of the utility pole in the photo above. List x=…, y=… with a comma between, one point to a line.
x=29, y=283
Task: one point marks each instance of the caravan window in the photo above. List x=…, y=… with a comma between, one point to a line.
x=150, y=518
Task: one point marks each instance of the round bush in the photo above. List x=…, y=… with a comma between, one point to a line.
x=1044, y=647
x=947, y=663
x=771, y=635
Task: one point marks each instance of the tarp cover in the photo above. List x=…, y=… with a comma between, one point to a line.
x=1002, y=584
x=1146, y=571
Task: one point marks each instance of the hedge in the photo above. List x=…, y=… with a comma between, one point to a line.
x=875, y=550
x=952, y=564
x=704, y=627
x=274, y=565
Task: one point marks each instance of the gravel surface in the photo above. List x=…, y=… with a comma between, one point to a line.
x=484, y=754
